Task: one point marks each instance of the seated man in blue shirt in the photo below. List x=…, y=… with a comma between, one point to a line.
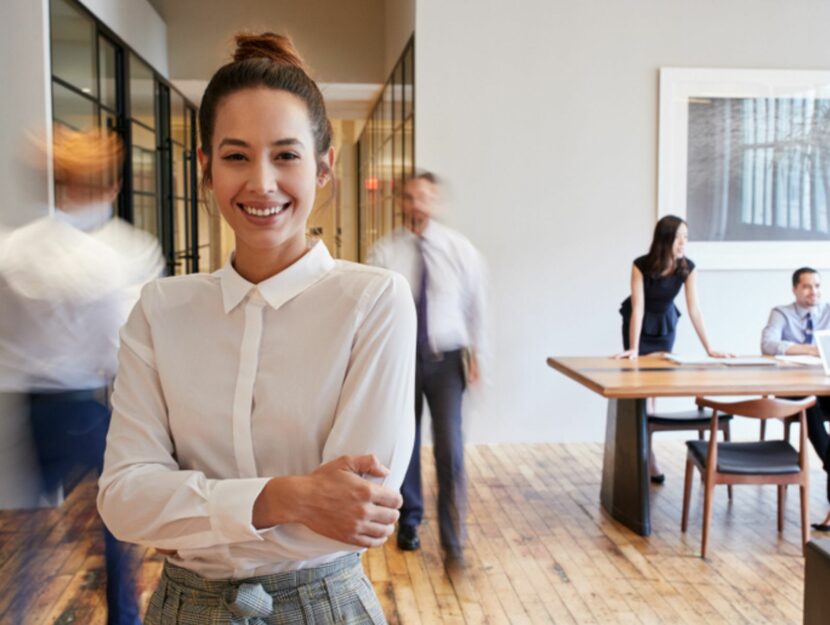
x=790, y=331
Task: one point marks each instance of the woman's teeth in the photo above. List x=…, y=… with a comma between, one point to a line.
x=264, y=212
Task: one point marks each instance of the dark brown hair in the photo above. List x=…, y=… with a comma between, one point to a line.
x=271, y=61
x=797, y=274
x=659, y=260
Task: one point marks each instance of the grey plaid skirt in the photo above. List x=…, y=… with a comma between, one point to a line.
x=337, y=593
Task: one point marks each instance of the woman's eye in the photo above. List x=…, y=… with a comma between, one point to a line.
x=287, y=156
x=234, y=156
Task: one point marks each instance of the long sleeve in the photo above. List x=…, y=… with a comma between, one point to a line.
x=375, y=412
x=772, y=342
x=144, y=495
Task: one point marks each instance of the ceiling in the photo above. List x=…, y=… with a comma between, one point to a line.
x=342, y=42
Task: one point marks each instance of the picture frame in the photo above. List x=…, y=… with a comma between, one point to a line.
x=744, y=157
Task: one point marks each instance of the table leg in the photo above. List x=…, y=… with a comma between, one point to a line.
x=624, y=492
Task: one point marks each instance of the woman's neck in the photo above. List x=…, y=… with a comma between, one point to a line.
x=257, y=265
x=672, y=267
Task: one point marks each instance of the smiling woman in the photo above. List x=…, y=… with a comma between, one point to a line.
x=264, y=175
x=263, y=416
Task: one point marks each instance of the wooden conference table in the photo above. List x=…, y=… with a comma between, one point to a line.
x=626, y=383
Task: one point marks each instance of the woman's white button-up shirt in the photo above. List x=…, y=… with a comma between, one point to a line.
x=223, y=384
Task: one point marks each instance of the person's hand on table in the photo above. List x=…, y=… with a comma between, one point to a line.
x=631, y=354
x=716, y=354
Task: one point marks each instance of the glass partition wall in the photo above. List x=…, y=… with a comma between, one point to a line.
x=386, y=153
x=98, y=81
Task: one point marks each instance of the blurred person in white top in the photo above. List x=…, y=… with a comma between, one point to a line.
x=445, y=275
x=70, y=279
x=67, y=284
x=262, y=414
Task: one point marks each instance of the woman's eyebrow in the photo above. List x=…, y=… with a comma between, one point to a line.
x=231, y=141
x=243, y=144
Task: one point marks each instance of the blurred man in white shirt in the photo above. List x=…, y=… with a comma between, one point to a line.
x=445, y=272
x=67, y=284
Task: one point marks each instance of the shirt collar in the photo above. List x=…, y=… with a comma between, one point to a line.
x=88, y=218
x=802, y=312
x=278, y=289
x=432, y=232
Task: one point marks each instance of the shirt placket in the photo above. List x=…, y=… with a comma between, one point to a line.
x=243, y=402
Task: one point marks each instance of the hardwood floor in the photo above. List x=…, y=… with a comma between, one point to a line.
x=539, y=551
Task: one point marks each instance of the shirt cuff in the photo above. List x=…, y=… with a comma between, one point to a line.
x=783, y=346
x=231, y=506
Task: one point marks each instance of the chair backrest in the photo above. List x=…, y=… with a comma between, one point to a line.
x=763, y=408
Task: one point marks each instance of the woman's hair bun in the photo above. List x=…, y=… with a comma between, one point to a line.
x=272, y=46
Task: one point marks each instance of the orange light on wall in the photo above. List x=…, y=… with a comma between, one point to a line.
x=371, y=184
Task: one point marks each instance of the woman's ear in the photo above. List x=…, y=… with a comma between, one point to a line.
x=325, y=168
x=204, y=163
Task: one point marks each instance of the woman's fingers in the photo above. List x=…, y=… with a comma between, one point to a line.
x=367, y=465
x=386, y=497
x=388, y=515
x=366, y=541
x=342, y=504
x=371, y=534
x=376, y=530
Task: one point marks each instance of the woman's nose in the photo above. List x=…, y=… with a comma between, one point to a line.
x=263, y=178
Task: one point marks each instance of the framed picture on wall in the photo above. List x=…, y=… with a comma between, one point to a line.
x=744, y=158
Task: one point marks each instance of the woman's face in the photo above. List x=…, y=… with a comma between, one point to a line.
x=680, y=238
x=264, y=171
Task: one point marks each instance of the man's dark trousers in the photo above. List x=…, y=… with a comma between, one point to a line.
x=69, y=431
x=440, y=379
x=818, y=434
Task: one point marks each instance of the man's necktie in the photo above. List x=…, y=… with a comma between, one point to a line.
x=421, y=304
x=808, y=330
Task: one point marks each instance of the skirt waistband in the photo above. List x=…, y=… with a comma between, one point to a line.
x=254, y=598
x=274, y=584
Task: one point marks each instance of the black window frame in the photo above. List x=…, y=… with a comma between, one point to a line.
x=189, y=258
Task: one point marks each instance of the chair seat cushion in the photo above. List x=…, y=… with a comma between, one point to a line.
x=692, y=418
x=750, y=458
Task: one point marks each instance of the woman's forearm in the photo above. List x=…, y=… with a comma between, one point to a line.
x=634, y=329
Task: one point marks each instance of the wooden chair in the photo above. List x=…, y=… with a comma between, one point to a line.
x=788, y=423
x=689, y=420
x=761, y=462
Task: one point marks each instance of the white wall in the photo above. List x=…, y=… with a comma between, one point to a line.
x=543, y=116
x=138, y=24
x=25, y=106
x=23, y=33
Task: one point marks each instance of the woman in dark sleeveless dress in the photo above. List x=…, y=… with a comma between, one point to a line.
x=649, y=315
